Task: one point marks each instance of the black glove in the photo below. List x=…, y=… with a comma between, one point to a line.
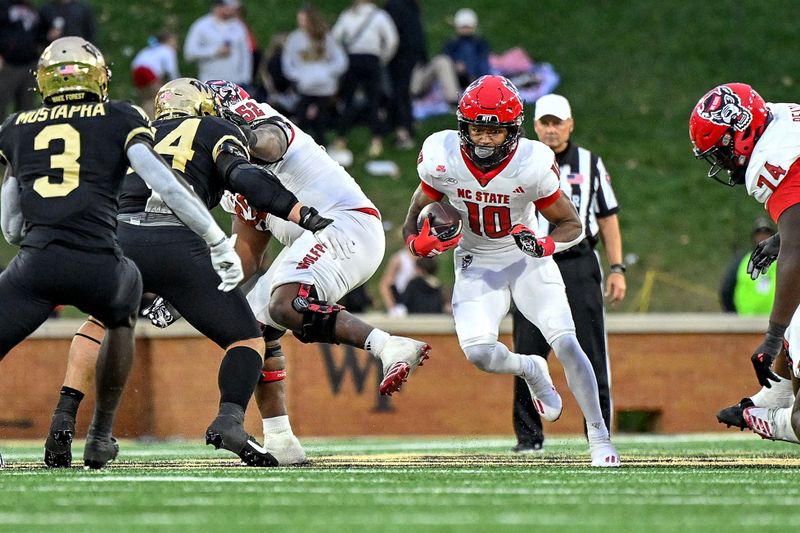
x=311, y=220
x=766, y=353
x=763, y=256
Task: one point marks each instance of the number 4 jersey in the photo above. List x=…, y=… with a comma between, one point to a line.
x=70, y=161
x=773, y=173
x=490, y=203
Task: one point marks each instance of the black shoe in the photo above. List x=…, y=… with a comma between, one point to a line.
x=227, y=431
x=58, y=446
x=733, y=415
x=527, y=447
x=99, y=451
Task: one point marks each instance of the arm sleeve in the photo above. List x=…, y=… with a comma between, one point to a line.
x=289, y=58
x=11, y=218
x=177, y=195
x=194, y=48
x=262, y=189
x=426, y=182
x=390, y=39
x=338, y=60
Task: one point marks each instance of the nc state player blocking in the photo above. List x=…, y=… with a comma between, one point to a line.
x=299, y=289
x=497, y=180
x=758, y=145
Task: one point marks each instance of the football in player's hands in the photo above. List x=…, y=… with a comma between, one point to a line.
x=444, y=219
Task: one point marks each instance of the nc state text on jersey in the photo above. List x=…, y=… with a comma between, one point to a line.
x=487, y=197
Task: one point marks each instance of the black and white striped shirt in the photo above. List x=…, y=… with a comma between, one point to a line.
x=587, y=184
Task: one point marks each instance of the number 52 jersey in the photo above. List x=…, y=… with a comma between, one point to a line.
x=493, y=202
x=70, y=161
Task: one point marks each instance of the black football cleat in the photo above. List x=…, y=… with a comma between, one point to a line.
x=227, y=432
x=99, y=451
x=734, y=415
x=58, y=446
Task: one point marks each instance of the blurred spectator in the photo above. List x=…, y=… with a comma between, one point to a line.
x=738, y=292
x=255, y=50
x=424, y=292
x=469, y=52
x=314, y=62
x=279, y=92
x=64, y=18
x=411, y=51
x=153, y=66
x=370, y=39
x=400, y=269
x=218, y=42
x=21, y=35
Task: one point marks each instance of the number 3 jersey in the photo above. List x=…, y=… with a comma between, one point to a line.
x=191, y=146
x=493, y=202
x=70, y=161
x=773, y=173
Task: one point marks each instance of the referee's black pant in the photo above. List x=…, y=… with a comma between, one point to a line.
x=583, y=280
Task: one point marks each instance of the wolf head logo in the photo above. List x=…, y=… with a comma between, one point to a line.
x=724, y=107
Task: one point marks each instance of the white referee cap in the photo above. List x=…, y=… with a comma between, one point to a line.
x=465, y=18
x=552, y=104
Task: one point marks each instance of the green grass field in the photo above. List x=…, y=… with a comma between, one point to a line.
x=715, y=482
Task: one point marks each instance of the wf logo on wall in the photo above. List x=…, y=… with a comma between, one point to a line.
x=345, y=363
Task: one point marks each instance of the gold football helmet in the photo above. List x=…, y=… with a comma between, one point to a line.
x=186, y=97
x=72, y=69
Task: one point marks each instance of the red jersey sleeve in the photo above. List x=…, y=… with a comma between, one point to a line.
x=430, y=192
x=547, y=201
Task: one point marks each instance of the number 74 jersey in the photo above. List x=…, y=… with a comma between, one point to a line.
x=773, y=173
x=493, y=202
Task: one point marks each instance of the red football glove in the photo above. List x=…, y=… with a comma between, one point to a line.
x=530, y=244
x=427, y=245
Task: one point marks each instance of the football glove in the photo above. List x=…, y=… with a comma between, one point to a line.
x=764, y=254
x=530, y=244
x=160, y=313
x=426, y=245
x=227, y=264
x=326, y=233
x=766, y=353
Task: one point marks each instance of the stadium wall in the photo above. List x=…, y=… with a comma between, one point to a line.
x=674, y=370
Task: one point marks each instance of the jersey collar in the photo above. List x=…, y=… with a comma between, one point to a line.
x=483, y=178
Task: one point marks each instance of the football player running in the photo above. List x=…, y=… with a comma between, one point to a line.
x=66, y=164
x=497, y=180
x=299, y=289
x=758, y=144
x=211, y=155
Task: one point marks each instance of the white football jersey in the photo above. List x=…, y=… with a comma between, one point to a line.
x=306, y=170
x=775, y=152
x=492, y=203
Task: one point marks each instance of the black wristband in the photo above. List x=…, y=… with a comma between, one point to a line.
x=617, y=268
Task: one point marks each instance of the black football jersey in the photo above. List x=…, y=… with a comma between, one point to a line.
x=191, y=146
x=70, y=161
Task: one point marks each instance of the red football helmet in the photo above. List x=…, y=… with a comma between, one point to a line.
x=229, y=93
x=490, y=101
x=724, y=128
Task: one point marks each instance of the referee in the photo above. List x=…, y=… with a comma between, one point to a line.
x=585, y=181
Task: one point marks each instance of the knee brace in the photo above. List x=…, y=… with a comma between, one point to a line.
x=319, y=318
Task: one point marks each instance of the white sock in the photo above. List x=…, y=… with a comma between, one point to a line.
x=276, y=424
x=779, y=395
x=376, y=341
